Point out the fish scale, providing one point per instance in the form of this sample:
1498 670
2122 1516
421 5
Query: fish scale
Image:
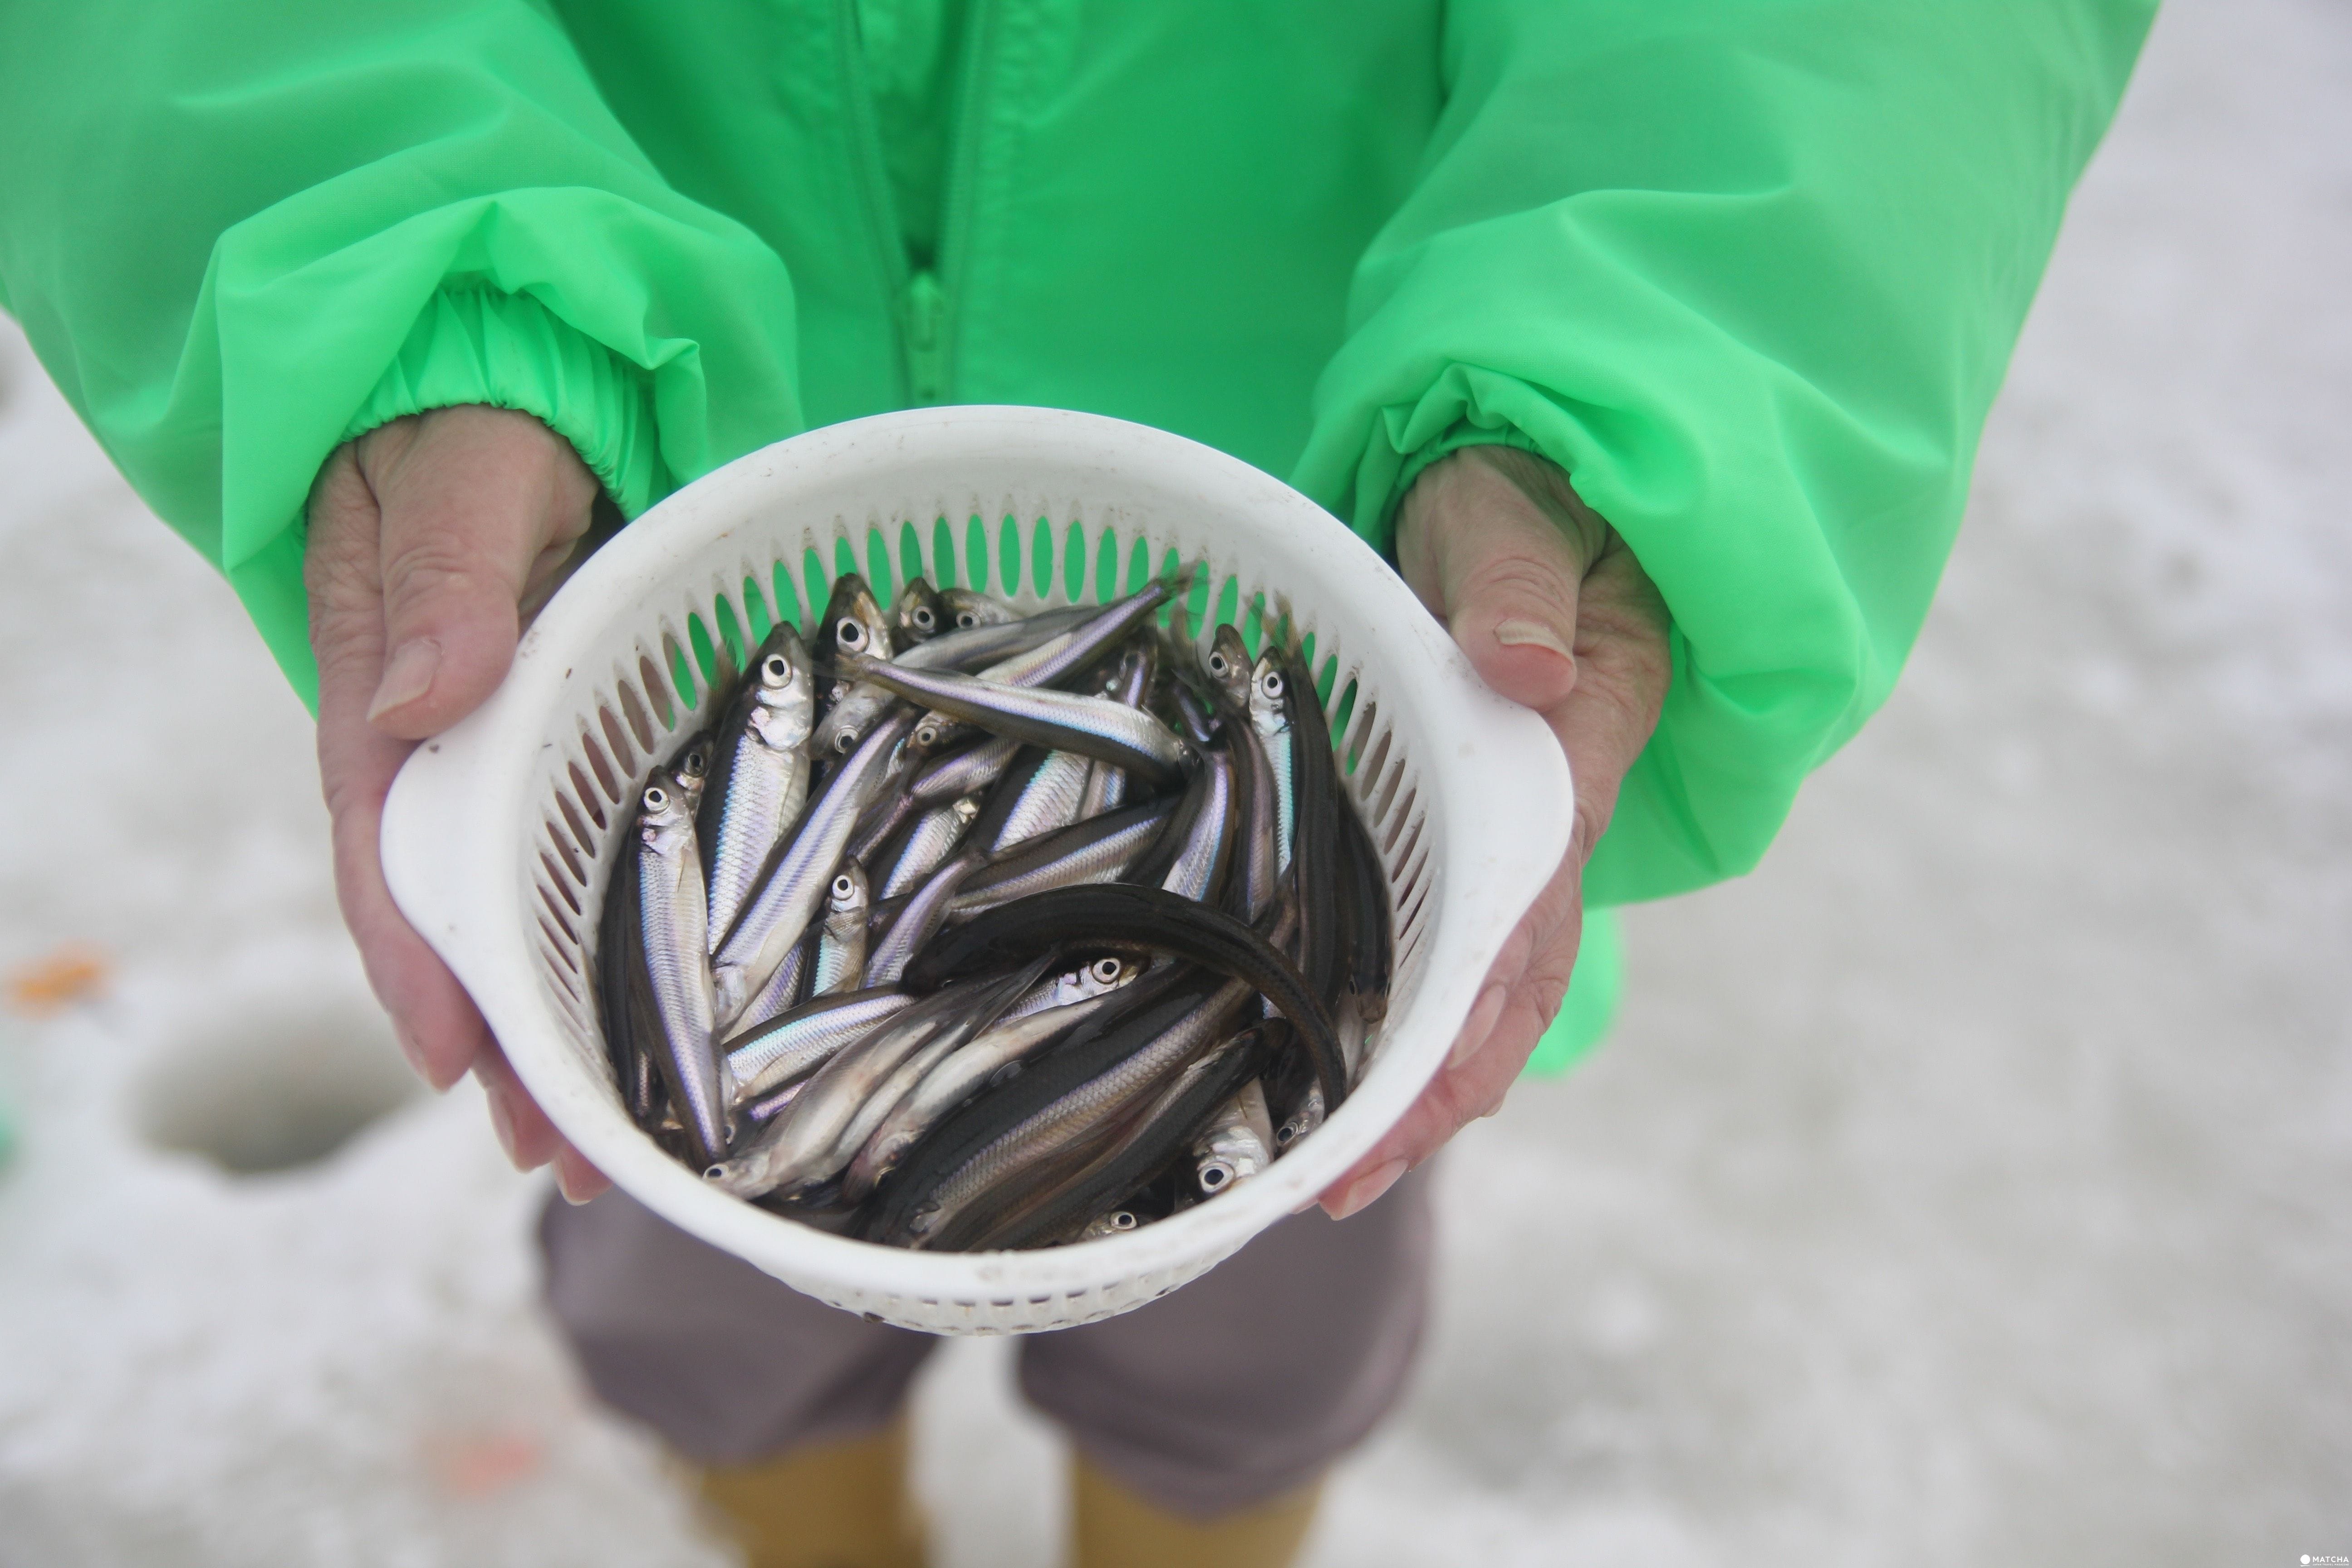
1049 800
804 1039
935 836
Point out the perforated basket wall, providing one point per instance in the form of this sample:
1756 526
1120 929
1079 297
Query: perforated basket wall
500 834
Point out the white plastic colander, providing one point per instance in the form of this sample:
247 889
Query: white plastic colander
500 834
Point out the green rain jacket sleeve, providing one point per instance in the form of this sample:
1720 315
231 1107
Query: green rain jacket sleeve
1750 270
236 233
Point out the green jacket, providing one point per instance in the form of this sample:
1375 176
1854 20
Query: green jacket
1748 270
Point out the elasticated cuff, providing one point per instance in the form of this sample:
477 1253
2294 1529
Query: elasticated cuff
478 346
1463 433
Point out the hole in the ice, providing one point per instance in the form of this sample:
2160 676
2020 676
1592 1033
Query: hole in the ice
275 1086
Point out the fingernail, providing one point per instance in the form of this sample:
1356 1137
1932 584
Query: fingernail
502 1123
1530 634
567 1178
406 677
1478 1026
1366 1188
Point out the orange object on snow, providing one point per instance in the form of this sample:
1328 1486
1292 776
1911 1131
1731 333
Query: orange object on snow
57 980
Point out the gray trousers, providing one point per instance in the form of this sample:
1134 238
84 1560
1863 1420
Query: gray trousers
1241 1385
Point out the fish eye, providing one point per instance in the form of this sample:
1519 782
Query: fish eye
842 886
1273 683
777 668
1122 1220
695 763
656 797
924 618
1106 969
1212 1177
1285 1134
967 619
849 634
1217 665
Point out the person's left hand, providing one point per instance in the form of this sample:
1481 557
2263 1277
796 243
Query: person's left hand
1554 612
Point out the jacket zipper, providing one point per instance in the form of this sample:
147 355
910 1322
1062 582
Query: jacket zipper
923 323
923 303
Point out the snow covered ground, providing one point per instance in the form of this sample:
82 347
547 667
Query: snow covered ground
1964 1187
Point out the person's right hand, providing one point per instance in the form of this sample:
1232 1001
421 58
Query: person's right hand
433 538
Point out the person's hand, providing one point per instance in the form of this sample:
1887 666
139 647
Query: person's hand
431 541
1554 612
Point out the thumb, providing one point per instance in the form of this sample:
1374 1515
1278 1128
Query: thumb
474 500
1488 545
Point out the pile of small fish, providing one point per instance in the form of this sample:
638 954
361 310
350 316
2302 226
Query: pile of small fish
965 929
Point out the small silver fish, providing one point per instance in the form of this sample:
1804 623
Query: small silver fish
917 921
780 911
692 770
971 608
1131 738
1269 712
1025 1027
1201 863
1086 1111
1229 667
672 910
1238 1144
1048 662
1130 683
1106 973
1300 1122
804 1147
795 1044
1050 800
787 988
932 840
841 952
918 619
765 777
1102 850
962 773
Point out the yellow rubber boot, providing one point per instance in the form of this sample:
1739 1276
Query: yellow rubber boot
1117 1528
829 1505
